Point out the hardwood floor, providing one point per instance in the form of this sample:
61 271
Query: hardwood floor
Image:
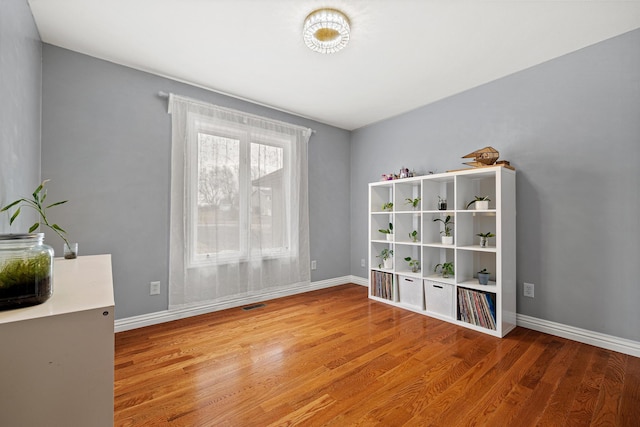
332 357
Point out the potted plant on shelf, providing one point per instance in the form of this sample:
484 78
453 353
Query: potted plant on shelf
387 206
387 231
447 238
481 203
413 202
483 276
446 268
484 238
442 204
414 236
414 264
385 256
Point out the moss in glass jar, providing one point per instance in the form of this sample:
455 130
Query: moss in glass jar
26 281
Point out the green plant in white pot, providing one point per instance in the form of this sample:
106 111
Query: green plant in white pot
386 257
387 207
484 238
480 202
447 237
387 231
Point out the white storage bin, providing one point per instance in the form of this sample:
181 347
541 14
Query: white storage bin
439 298
411 292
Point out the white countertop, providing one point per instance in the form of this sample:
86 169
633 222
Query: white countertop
79 284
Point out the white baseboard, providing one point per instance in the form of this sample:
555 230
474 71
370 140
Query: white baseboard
358 280
597 339
169 315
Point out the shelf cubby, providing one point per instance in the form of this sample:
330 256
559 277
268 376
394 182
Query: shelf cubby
383 285
468 263
402 251
379 196
432 256
479 184
477 308
435 188
404 191
380 221
376 249
406 223
470 223
433 228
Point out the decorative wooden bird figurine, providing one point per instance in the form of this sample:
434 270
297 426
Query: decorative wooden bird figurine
483 157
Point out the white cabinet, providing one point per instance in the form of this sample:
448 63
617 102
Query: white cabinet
56 363
417 239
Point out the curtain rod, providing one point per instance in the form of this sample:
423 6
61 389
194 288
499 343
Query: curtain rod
162 94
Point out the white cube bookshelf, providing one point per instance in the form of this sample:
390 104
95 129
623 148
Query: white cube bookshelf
460 298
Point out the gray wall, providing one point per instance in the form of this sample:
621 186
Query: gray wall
106 147
20 77
571 127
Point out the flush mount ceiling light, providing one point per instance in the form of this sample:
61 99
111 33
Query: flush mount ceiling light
326 30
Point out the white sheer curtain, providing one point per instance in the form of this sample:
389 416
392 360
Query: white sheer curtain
239 207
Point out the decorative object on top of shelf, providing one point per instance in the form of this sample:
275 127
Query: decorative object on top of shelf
447 238
413 202
414 264
484 238
442 204
37 203
404 173
483 276
480 202
387 231
385 256
414 236
326 30
446 268
483 157
387 206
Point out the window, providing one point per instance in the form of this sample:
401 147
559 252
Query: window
239 182
239 206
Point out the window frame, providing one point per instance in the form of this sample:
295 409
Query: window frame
246 136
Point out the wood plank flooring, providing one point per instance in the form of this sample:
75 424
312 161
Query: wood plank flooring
334 358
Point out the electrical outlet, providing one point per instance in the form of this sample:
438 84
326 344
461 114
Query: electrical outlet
154 288
314 265
529 290
362 263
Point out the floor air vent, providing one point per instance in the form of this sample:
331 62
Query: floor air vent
253 307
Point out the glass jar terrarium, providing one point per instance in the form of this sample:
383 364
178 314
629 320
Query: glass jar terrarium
26 269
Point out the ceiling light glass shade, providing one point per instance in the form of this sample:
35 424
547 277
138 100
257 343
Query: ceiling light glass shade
326 30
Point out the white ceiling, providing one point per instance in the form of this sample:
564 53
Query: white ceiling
403 54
